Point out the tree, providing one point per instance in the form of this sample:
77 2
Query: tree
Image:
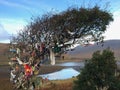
99 73
73 26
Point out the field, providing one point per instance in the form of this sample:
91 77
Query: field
58 85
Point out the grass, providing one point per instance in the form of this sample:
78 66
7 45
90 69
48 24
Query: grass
3 60
58 85
5 84
3 63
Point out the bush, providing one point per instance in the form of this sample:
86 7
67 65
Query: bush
99 73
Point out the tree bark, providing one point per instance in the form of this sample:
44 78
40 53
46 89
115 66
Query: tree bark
52 57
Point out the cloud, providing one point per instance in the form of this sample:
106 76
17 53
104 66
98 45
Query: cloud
16 5
43 7
10 27
41 4
117 13
113 31
30 6
13 25
4 35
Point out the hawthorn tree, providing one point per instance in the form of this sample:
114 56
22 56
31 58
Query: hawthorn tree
60 31
99 73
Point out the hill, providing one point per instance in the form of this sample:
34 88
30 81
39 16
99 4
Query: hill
3 47
81 52
3 53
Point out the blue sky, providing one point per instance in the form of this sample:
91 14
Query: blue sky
15 14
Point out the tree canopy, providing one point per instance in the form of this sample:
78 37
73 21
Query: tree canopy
73 26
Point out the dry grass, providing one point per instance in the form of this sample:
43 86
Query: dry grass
4 74
50 69
3 60
5 84
3 54
58 85
3 48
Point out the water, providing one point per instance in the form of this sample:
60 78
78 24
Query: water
62 74
65 73
68 72
81 64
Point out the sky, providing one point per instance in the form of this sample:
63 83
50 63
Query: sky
16 14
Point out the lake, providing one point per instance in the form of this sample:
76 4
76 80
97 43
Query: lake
62 74
65 73
68 72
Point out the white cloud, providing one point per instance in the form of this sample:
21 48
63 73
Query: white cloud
13 4
117 13
3 33
12 26
113 31
40 4
30 6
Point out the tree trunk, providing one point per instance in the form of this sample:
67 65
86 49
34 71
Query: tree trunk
52 57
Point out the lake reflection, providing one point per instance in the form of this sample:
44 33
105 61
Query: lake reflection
62 74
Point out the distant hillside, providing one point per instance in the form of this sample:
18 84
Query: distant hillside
81 52
3 55
3 47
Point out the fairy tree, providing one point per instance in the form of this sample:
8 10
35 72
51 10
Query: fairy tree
73 26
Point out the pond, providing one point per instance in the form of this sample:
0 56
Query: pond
65 73
71 70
